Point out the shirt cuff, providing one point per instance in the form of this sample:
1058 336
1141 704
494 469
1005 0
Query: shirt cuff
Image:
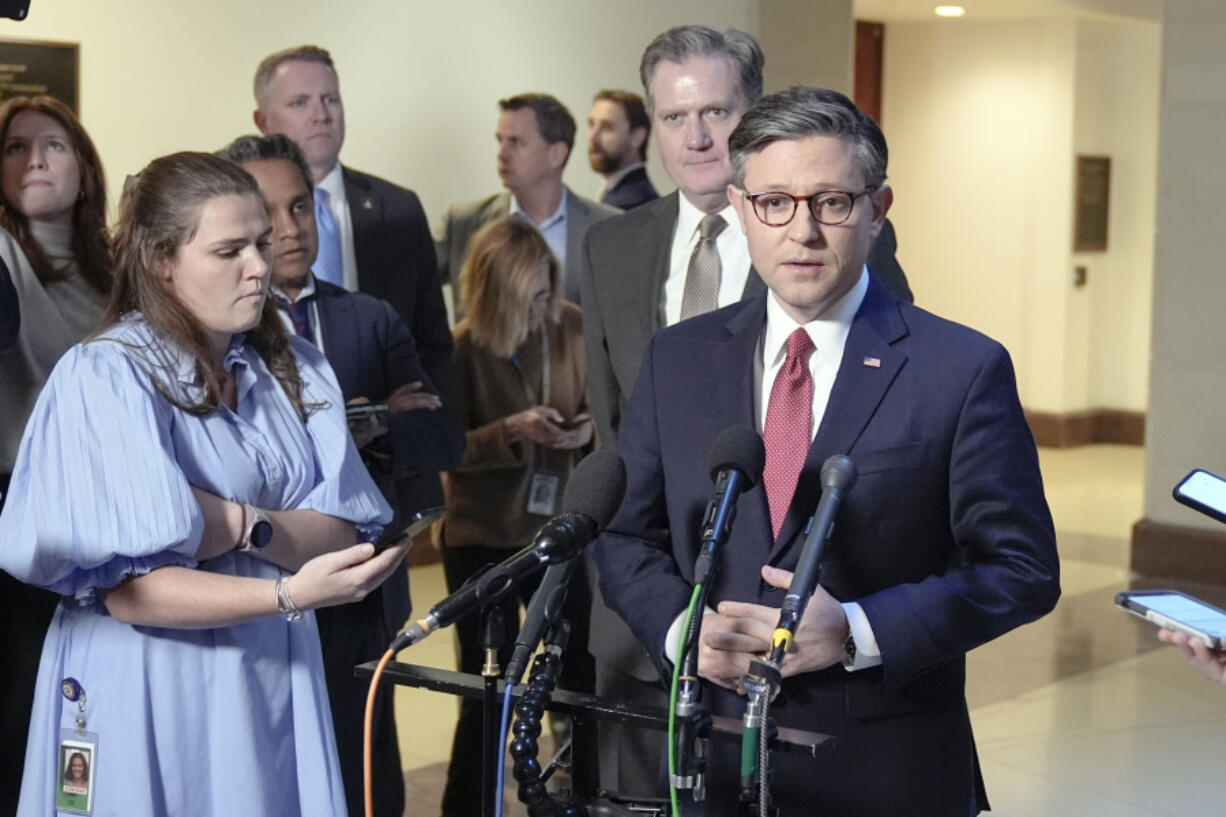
868 654
673 638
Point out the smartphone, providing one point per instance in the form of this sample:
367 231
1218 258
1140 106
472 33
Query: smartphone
1203 491
1177 611
400 529
364 409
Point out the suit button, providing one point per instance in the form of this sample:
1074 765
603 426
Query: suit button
766 587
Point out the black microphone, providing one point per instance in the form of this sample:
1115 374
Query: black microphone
594 490
838 477
737 458
592 497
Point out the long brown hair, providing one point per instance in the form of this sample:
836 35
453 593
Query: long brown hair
160 213
498 279
89 238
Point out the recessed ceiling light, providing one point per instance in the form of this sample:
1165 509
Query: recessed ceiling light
950 11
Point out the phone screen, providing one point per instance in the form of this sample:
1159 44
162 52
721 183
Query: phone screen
1205 489
1171 609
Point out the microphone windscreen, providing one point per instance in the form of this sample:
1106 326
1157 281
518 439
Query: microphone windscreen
838 472
596 487
738 447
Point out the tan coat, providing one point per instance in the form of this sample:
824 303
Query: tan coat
487 494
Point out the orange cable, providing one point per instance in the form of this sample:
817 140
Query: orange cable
367 752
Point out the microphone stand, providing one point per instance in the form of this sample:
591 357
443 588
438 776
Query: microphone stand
493 638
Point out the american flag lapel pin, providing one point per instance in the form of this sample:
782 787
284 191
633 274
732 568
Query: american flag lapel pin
872 362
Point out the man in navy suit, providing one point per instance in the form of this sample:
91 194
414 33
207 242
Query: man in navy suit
374 237
374 358
617 130
945 541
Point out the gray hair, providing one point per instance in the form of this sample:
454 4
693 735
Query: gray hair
269 65
800 112
680 43
253 148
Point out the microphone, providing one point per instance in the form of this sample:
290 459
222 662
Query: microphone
736 460
838 477
591 498
594 490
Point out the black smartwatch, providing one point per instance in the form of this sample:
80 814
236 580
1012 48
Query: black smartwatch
259 530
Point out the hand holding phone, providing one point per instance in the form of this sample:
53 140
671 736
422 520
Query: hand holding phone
1177 611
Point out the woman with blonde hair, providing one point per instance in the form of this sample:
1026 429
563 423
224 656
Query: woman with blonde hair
521 381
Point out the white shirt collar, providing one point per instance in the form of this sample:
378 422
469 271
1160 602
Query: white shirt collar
689 217
334 184
828 332
558 215
307 291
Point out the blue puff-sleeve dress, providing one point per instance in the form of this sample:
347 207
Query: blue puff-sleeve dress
222 721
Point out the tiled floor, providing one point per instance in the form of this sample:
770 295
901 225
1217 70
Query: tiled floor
1081 714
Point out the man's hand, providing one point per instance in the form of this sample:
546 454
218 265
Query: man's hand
741 631
543 425
1210 663
410 397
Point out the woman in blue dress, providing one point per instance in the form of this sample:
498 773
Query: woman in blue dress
188 485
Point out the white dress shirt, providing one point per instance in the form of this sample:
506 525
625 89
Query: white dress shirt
829 336
553 229
334 184
733 252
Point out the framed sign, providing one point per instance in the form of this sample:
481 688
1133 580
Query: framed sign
1090 205
31 68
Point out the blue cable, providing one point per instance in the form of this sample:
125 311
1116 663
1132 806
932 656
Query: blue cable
502 748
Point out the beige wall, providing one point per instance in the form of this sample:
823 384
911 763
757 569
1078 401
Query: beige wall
984 120
420 80
1187 418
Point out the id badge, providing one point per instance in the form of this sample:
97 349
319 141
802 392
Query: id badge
543 493
78 758
78 763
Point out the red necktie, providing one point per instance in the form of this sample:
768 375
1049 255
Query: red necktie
789 419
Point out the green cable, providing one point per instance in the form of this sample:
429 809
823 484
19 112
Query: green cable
672 704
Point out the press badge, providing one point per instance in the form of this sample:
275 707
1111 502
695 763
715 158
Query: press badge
543 493
78 758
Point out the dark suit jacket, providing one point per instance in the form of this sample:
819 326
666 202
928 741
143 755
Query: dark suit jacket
10 313
463 221
632 190
945 540
395 260
372 353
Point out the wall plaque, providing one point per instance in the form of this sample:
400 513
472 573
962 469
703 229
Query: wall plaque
1090 207
31 68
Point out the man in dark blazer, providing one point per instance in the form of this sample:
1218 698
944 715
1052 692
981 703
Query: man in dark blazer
535 137
379 235
618 128
374 358
698 83
943 543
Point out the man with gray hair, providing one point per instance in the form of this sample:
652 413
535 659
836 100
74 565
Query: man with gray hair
373 235
943 543
670 259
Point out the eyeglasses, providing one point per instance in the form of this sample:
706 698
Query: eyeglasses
830 207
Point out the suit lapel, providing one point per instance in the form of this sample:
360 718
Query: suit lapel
657 245
868 369
365 215
339 333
